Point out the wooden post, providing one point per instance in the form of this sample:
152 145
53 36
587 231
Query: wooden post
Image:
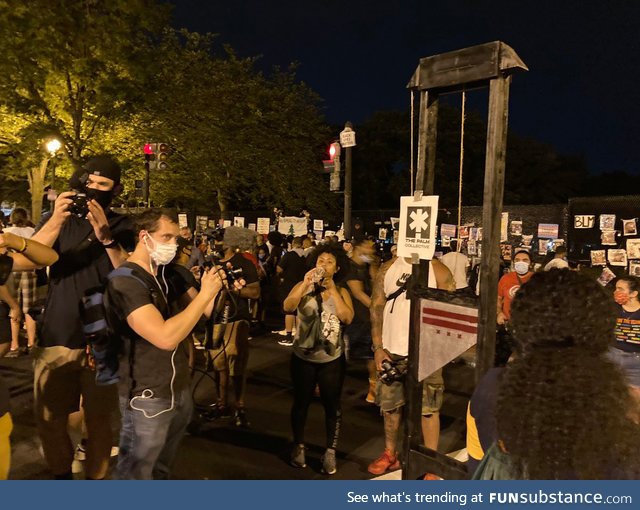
427 135
491 218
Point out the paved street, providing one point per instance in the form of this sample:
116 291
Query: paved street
219 450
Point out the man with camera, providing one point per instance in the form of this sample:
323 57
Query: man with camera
153 310
390 310
90 240
230 359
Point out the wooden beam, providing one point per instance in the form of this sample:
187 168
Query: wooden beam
491 216
427 137
473 65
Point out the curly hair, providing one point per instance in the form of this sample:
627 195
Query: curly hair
342 261
563 408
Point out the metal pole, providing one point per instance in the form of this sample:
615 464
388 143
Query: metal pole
147 199
347 189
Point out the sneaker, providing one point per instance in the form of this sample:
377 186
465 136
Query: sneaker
287 341
384 463
329 462
282 332
13 353
297 456
81 452
216 411
240 419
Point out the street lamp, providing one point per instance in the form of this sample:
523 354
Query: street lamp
53 146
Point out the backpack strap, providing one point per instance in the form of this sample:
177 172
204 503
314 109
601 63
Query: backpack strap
397 293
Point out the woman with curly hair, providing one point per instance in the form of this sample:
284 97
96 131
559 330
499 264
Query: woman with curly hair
564 410
318 357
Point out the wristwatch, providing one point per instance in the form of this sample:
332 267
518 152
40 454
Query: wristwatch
374 348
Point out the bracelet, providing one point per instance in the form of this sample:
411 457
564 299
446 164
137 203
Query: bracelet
111 244
374 348
24 246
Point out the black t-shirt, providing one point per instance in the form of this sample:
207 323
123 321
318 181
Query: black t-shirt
359 273
250 275
4 397
294 267
83 265
143 365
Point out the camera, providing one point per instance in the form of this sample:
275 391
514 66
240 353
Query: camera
233 274
392 371
79 207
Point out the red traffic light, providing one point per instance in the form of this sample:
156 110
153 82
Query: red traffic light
334 150
148 148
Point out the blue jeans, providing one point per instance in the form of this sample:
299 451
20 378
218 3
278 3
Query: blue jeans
148 445
629 363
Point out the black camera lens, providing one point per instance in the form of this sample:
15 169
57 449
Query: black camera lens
79 207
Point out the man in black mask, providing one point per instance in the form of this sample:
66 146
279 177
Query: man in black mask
91 240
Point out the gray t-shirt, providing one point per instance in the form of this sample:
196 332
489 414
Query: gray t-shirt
319 335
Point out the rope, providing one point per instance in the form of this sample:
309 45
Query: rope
462 120
411 155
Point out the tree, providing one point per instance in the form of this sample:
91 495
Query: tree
71 67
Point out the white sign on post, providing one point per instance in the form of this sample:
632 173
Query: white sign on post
182 220
318 225
348 138
263 226
417 233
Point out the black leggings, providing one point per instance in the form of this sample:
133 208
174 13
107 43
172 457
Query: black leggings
330 378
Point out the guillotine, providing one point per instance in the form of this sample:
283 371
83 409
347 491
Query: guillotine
486 65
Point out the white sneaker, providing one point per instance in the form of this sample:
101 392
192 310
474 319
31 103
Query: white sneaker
287 342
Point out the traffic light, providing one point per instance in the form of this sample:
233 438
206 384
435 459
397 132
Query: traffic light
162 154
334 155
150 150
156 154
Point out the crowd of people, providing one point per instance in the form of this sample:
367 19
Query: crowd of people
568 354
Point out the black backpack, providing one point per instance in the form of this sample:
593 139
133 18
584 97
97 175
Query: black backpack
105 344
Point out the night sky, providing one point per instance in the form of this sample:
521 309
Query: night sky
581 93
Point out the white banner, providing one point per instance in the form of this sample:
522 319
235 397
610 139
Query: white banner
418 226
292 225
446 331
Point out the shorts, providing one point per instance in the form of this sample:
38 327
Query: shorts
61 377
391 397
6 426
24 290
233 354
628 362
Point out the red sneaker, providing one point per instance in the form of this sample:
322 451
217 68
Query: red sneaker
384 463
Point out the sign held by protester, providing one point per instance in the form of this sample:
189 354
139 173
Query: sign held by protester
418 217
263 226
292 225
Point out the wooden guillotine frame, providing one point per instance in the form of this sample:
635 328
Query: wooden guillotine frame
487 65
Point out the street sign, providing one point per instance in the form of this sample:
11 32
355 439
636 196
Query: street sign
348 137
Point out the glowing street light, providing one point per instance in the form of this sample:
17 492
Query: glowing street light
53 146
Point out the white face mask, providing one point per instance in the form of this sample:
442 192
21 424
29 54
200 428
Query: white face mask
366 258
163 253
521 267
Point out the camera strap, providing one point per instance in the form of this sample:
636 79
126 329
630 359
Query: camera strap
398 292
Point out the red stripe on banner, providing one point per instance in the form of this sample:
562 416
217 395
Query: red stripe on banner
451 315
450 325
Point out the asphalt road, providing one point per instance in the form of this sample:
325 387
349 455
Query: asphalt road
217 449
